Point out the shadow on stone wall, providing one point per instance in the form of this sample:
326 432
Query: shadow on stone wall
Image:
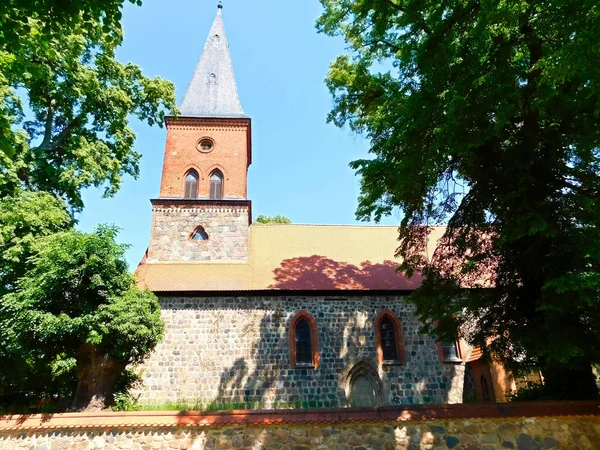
248 385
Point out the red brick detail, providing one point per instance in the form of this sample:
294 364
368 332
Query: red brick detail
398 334
178 419
314 339
231 155
481 369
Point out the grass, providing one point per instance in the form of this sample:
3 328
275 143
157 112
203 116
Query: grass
183 405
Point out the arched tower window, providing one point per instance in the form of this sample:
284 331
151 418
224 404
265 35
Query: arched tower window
199 234
304 345
389 338
191 184
216 185
212 79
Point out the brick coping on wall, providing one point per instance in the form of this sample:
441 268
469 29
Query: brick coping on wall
174 419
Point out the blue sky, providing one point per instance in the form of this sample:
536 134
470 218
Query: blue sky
299 162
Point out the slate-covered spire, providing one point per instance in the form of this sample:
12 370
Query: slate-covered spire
212 91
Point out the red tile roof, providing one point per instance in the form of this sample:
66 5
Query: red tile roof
295 257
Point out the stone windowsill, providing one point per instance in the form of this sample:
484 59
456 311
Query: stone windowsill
392 362
304 366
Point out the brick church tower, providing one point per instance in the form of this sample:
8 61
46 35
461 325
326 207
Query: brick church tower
202 213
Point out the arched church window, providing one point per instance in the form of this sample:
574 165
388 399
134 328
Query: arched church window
485 389
216 185
191 184
389 338
304 346
212 79
199 235
450 352
216 39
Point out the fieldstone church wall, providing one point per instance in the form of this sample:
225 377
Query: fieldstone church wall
172 226
235 350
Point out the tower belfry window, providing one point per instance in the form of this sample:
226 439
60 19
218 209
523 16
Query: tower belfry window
216 39
191 185
199 235
216 185
212 79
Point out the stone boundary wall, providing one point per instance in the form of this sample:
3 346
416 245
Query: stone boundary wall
522 426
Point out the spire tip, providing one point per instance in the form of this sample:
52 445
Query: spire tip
220 5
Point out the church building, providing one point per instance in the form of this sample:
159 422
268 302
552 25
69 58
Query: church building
277 315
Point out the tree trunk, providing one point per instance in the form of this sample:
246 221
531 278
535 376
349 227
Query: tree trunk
96 380
572 381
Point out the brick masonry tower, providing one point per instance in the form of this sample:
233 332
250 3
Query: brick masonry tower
202 213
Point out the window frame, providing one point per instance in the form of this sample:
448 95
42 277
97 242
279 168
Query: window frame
199 228
485 389
459 352
398 336
210 185
314 341
195 174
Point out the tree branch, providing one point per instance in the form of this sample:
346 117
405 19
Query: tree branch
51 144
48 128
65 133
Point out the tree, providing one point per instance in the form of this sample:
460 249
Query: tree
79 312
485 116
61 57
274 219
25 219
58 56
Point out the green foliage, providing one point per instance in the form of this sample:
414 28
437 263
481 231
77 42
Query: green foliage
274 219
62 60
529 393
67 303
484 116
24 219
76 305
197 405
124 399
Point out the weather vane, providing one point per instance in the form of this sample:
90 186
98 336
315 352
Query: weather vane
220 5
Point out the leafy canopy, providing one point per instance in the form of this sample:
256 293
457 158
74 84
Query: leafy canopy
60 56
274 219
25 219
78 303
484 115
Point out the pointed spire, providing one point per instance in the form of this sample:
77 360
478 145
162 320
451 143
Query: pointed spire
212 92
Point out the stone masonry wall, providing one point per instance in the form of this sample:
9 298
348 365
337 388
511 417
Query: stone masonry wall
232 350
475 434
172 227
